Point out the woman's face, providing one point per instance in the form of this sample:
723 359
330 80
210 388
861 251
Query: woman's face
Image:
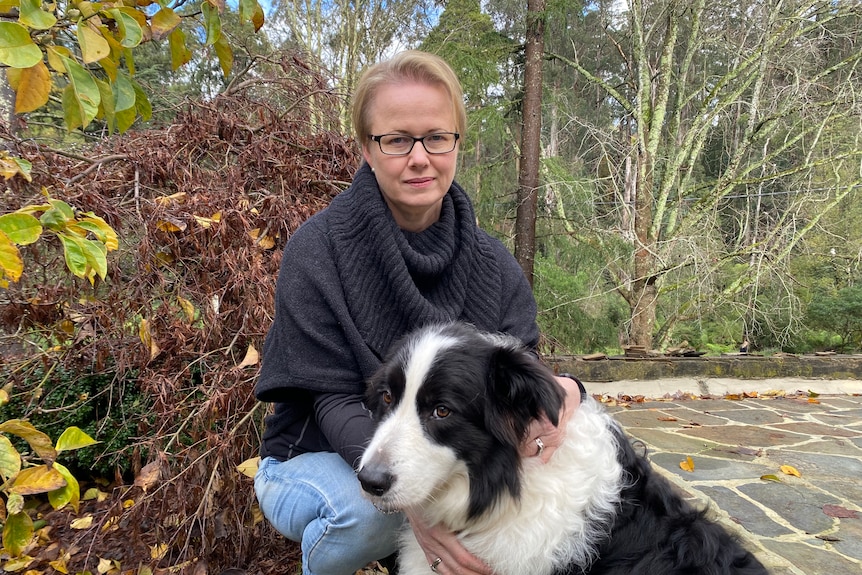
413 185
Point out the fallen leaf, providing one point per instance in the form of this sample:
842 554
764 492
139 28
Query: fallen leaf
148 476
168 224
83 523
105 565
813 400
687 464
251 357
749 394
178 197
829 538
839 512
770 477
813 393
732 396
789 470
249 467
94 493
158 551
667 419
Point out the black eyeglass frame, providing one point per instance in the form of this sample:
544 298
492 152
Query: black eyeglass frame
422 139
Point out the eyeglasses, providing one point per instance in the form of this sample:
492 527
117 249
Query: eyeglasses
402 144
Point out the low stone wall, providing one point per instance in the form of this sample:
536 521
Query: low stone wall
839 367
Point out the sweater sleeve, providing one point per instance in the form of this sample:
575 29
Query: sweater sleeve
312 343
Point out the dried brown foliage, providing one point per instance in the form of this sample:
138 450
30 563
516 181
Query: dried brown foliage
203 208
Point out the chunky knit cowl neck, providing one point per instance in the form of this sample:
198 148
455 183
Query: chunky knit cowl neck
395 281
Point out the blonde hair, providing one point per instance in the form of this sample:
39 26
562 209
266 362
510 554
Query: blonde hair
411 66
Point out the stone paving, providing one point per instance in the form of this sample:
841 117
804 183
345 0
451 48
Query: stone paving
805 525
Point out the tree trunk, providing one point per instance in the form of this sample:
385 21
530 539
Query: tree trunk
528 173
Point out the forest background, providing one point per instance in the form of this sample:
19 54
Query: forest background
696 179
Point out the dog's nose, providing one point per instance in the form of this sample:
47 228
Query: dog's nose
375 479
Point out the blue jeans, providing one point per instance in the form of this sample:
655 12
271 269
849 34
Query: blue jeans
315 499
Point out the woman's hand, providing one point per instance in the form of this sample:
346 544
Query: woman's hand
444 550
543 438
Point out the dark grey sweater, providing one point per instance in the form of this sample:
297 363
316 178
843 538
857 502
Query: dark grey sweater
351 283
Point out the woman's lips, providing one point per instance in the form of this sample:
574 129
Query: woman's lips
419 181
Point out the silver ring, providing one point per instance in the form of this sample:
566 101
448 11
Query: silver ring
540 445
436 564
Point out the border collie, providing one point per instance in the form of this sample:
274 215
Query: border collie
453 406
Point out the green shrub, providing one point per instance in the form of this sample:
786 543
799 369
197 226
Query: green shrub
840 314
105 405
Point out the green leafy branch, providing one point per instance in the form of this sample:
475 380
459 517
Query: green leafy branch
36 48
85 257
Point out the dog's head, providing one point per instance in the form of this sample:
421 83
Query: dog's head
453 406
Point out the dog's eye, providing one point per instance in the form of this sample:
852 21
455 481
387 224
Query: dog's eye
441 412
387 397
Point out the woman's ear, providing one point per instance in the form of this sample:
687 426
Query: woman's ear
366 155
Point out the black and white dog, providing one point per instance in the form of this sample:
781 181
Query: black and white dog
453 406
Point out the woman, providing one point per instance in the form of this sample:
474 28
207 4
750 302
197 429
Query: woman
399 249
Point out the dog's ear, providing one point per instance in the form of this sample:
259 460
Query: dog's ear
520 389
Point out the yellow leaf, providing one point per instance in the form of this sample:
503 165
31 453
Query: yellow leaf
770 477
61 563
105 565
180 54
264 241
38 479
205 222
789 470
256 514
178 197
11 264
110 524
32 87
128 503
147 338
249 467
82 523
251 357
163 22
39 442
17 564
73 438
93 45
171 225
687 464
94 493
54 54
187 307
158 551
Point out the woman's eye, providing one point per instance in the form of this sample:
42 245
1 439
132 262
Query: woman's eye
441 412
